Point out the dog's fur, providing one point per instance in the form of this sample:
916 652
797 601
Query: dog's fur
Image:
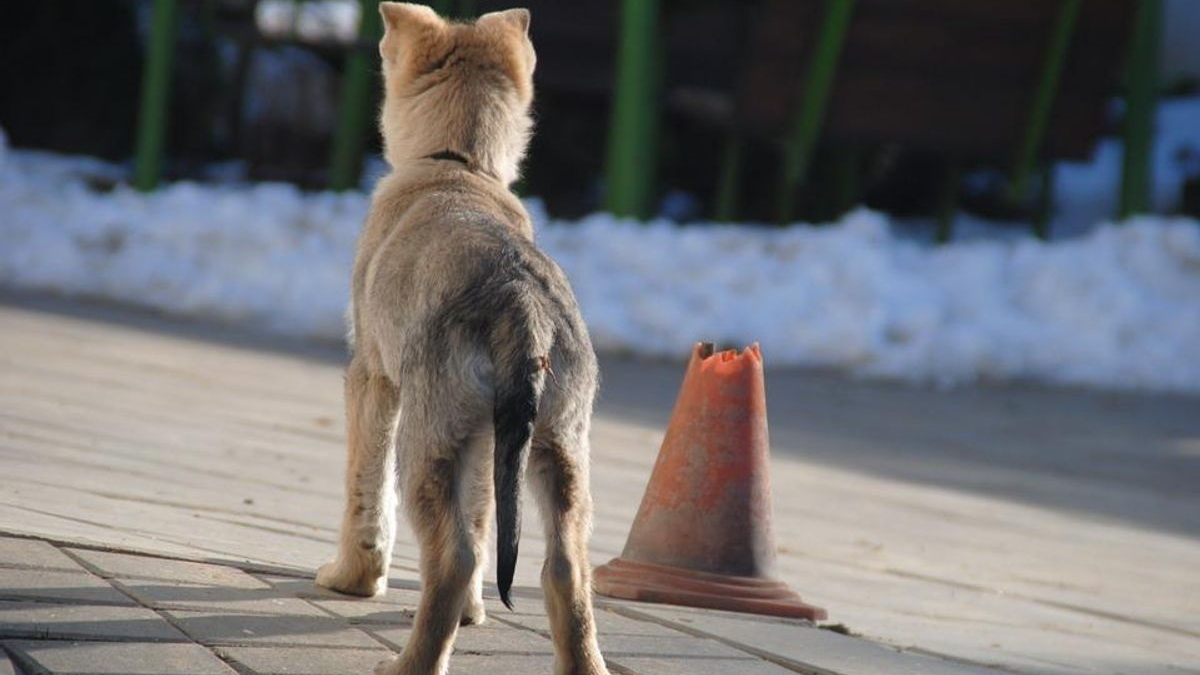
470 357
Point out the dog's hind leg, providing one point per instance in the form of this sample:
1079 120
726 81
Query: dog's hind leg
558 475
369 524
431 480
477 502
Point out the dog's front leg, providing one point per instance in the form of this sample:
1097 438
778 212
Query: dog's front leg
369 524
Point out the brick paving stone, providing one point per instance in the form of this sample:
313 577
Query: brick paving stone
39 620
809 647
304 587
366 612
115 658
399 591
607 622
303 661
32 553
467 664
397 606
701 665
493 638
175 595
219 628
30 584
490 638
148 567
666 647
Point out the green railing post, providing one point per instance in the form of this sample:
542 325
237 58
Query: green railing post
632 135
731 173
156 92
818 83
350 135
845 163
1026 158
948 200
1140 102
1045 203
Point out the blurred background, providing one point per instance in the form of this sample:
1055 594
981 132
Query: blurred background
767 111
933 190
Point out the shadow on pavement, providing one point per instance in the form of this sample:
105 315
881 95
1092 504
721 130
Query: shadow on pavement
1124 456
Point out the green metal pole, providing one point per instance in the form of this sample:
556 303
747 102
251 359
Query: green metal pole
632 148
846 162
1140 102
350 135
948 200
1043 98
1045 203
798 148
156 92
731 172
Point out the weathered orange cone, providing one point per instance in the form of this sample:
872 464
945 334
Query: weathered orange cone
703 534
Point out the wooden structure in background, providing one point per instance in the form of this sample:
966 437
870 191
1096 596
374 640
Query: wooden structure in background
1014 82
952 76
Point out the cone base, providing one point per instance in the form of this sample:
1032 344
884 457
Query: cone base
647 582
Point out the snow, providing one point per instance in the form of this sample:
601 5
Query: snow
314 20
1118 307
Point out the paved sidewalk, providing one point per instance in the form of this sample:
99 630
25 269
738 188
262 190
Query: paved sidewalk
172 487
82 611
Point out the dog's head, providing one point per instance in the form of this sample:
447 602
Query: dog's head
465 87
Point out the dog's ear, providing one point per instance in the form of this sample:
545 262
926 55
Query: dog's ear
408 28
517 19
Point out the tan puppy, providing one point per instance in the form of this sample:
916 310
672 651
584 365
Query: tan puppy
470 356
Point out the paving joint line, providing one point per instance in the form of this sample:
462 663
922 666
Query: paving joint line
1097 613
795 666
331 539
205 511
164 614
96 639
228 659
23 665
283 487
60 601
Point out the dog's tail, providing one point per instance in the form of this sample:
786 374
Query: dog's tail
520 358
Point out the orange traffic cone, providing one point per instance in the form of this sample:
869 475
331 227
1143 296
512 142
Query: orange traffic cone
703 535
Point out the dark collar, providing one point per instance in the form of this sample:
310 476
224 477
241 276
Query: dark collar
452 156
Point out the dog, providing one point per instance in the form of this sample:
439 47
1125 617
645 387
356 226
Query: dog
471 366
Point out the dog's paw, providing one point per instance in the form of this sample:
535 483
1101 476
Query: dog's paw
336 577
473 614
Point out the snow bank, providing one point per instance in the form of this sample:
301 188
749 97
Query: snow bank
1119 307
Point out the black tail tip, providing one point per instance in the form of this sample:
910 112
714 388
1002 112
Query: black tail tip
505 597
